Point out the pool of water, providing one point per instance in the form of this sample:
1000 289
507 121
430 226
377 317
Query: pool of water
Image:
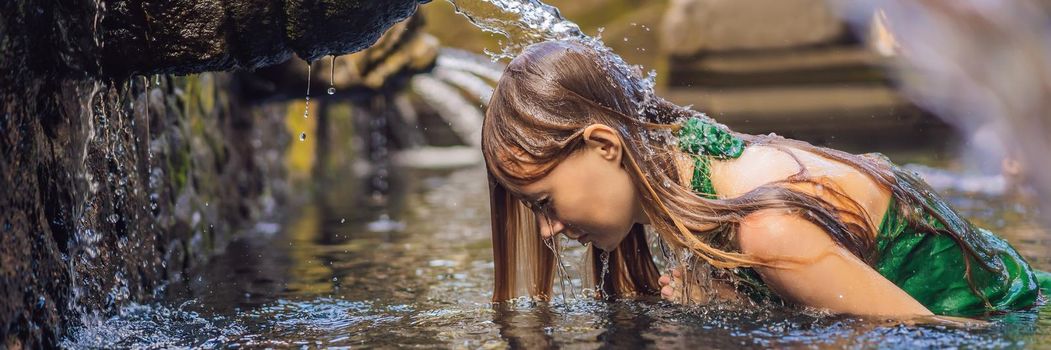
325 279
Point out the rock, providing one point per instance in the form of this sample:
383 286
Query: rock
694 26
116 39
400 53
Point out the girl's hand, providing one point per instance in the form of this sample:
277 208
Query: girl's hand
671 288
669 285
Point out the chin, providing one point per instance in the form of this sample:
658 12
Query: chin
605 246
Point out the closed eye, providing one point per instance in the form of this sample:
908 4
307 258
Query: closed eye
540 205
546 205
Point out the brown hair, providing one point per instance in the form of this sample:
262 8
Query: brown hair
542 103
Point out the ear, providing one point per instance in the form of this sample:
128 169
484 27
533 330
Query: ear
604 140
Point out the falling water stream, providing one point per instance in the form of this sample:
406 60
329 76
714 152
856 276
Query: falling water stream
425 279
306 101
332 77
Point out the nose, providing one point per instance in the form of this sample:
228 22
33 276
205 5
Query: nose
550 227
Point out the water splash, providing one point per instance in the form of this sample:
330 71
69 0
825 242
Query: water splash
555 245
602 276
525 22
521 22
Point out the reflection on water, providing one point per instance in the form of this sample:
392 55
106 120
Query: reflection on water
326 280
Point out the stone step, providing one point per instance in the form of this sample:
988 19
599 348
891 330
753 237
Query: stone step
781 109
819 65
691 27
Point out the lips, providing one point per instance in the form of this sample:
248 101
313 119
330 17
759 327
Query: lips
578 235
582 237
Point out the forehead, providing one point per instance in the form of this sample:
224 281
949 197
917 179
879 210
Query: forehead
515 172
563 175
528 177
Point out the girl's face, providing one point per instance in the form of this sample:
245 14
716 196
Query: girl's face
589 196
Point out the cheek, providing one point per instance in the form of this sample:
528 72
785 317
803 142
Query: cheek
622 201
610 203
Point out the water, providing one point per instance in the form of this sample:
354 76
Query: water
327 280
306 108
520 22
332 77
380 176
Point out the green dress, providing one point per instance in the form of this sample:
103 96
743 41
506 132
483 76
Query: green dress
931 267
926 262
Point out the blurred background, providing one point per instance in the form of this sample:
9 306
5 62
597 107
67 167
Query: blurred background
791 67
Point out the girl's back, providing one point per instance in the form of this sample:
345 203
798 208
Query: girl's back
761 165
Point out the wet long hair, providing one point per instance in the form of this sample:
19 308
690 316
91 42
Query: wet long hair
535 119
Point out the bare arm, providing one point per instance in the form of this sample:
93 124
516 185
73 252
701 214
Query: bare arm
830 278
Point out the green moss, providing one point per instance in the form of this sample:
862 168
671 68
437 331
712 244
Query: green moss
179 168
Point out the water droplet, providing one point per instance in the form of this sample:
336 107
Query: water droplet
306 108
302 136
332 77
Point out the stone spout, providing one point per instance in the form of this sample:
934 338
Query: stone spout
120 38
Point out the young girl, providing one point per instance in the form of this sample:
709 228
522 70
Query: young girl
574 145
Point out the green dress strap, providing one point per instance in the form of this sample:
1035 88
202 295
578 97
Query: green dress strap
930 267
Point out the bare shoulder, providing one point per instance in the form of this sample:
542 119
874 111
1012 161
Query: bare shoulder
757 166
776 233
762 165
